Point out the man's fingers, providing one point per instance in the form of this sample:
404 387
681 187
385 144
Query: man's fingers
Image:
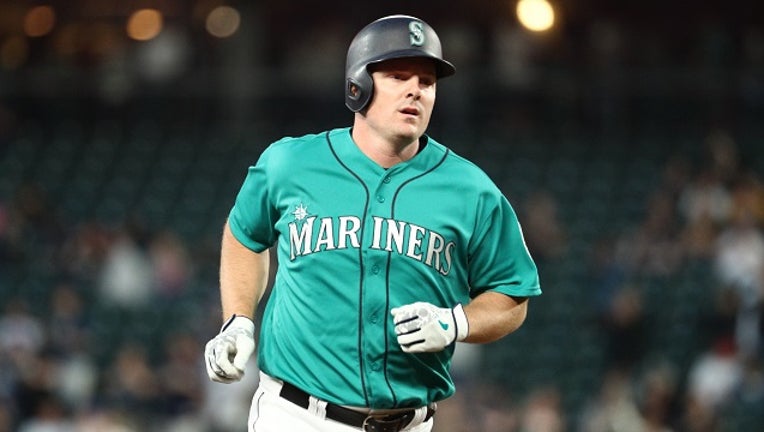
408 327
223 353
409 339
406 311
213 369
245 348
404 319
414 348
215 373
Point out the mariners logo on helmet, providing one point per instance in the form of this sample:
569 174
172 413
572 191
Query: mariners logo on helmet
391 37
417 33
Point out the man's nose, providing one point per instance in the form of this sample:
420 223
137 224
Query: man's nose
415 89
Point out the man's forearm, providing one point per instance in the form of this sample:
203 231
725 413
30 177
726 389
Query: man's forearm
492 316
243 276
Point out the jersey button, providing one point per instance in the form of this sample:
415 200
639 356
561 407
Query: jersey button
373 318
380 198
386 179
375 269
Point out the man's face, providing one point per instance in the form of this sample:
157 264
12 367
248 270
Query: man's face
403 99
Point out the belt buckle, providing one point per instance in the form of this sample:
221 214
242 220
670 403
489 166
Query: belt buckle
374 424
366 424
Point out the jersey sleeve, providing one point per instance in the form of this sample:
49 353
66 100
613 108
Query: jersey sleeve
253 215
499 259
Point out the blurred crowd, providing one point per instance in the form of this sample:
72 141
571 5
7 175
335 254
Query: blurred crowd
103 344
103 325
706 212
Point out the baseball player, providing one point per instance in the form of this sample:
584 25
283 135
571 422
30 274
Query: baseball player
391 248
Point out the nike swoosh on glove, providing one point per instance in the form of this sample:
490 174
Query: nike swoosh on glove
424 327
226 355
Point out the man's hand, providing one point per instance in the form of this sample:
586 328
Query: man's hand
424 327
227 353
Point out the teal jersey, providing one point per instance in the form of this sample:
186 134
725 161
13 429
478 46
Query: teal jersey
355 240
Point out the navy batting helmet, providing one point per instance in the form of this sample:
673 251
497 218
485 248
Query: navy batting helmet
391 37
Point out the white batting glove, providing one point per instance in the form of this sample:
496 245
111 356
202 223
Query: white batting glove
227 353
424 327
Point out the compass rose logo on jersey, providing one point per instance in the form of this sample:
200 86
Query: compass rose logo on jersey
300 212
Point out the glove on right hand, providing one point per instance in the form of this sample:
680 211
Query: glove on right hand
227 353
424 327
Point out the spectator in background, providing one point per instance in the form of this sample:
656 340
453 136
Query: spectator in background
630 402
49 416
36 397
720 320
126 278
747 193
180 377
722 155
739 264
697 234
657 395
652 248
171 264
83 253
706 196
69 339
543 411
22 335
131 385
36 227
698 238
625 326
713 378
544 233
615 408
496 410
67 324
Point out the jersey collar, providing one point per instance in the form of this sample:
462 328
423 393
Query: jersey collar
348 152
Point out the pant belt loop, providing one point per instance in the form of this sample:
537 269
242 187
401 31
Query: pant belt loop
317 407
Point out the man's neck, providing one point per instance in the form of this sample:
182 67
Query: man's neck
385 152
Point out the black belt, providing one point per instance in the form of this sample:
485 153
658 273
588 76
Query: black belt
370 423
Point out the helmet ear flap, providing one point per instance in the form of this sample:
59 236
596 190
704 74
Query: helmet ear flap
353 91
358 92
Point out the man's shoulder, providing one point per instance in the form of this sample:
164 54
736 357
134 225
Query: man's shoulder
464 166
292 144
297 140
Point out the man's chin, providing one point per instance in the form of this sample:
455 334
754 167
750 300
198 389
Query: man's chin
410 132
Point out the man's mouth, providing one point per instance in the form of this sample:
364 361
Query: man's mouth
410 111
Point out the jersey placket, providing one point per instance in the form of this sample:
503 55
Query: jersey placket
375 299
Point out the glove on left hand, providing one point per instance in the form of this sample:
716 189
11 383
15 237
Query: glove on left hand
424 327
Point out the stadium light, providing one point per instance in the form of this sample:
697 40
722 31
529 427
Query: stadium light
535 15
223 21
39 21
144 24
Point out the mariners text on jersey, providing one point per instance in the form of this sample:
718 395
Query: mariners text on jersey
311 234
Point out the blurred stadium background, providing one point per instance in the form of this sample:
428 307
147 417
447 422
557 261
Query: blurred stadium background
629 136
